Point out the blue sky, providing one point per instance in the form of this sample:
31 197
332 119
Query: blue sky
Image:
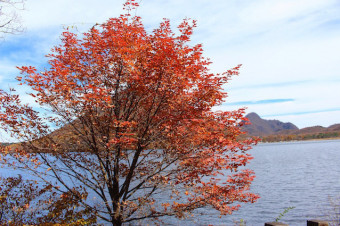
290 49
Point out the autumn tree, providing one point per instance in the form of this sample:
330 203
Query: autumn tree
9 20
135 130
24 202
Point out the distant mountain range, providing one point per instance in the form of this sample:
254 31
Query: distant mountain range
277 131
262 127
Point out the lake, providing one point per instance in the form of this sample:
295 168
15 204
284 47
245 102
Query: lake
294 174
300 174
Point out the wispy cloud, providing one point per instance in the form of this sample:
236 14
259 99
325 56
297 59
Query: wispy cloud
268 101
303 112
270 85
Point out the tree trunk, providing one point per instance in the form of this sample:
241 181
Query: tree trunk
117 222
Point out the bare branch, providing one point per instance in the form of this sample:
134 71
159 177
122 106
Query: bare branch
10 21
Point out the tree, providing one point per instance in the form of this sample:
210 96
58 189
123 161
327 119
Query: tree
25 202
135 119
9 19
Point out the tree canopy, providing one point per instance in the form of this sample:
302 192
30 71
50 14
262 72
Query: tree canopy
136 134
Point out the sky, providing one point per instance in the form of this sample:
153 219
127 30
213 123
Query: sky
289 49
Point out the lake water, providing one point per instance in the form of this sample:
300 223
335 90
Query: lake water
296 174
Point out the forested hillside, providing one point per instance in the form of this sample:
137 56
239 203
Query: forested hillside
275 130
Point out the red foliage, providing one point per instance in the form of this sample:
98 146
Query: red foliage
137 116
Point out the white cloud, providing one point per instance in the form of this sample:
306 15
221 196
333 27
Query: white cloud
42 14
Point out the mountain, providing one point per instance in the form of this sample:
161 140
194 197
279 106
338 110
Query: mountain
318 129
263 127
275 130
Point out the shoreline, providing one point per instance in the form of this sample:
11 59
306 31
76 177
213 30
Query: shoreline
288 141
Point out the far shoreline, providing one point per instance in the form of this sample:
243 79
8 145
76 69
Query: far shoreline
289 141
